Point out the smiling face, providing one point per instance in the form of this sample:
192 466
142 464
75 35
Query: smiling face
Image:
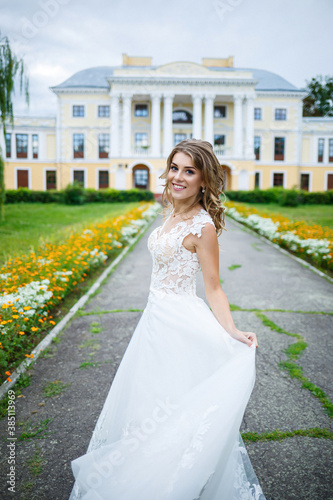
184 179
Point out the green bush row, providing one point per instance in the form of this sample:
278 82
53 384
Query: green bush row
284 197
76 195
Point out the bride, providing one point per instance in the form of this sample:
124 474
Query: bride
169 428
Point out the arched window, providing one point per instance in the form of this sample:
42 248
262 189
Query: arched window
141 177
181 116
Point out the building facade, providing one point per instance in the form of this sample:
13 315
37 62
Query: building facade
115 127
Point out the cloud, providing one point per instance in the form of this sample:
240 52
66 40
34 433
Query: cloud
291 38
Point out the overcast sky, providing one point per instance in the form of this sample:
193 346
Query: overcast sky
57 38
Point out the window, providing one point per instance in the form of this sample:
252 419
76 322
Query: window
104 111
321 150
22 178
78 111
257 113
257 180
21 145
51 179
8 145
177 138
257 144
280 114
78 145
329 181
181 116
279 148
305 182
278 180
219 140
141 177
78 176
141 110
103 145
330 150
34 145
103 179
141 139
220 111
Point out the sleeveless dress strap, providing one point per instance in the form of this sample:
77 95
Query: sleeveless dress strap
198 223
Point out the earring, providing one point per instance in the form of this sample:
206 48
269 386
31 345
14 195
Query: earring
203 189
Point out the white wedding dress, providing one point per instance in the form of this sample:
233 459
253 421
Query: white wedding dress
169 428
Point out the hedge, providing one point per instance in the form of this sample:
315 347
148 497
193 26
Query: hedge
75 195
284 197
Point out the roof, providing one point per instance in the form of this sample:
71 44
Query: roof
97 78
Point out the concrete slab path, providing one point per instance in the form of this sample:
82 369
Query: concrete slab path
69 383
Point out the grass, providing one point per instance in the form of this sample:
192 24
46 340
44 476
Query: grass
30 225
35 463
54 388
23 381
35 430
90 343
293 351
88 364
234 266
96 328
315 214
277 435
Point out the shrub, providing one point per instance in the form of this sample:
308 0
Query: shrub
286 197
25 195
76 195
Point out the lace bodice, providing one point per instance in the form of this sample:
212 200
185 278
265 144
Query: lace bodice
175 267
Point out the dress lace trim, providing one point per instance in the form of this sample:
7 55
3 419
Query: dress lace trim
175 267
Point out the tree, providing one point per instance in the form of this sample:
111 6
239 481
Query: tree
319 102
11 67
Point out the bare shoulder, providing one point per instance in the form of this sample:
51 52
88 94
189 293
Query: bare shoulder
205 238
208 235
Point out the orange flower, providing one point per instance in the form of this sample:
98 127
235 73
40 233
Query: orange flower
21 333
8 373
34 329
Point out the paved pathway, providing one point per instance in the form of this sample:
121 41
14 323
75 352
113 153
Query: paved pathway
90 349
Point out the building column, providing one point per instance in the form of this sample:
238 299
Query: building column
167 125
209 118
197 116
156 125
250 127
127 115
114 127
238 126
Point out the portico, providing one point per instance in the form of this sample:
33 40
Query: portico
161 127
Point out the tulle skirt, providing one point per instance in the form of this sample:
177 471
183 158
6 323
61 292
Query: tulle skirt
169 428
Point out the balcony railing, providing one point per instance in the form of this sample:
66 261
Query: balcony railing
141 150
222 151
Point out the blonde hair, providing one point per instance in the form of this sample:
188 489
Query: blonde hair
204 159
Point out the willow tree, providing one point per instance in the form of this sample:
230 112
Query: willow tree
12 69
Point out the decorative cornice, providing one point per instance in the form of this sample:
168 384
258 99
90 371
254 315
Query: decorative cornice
282 93
197 80
79 90
317 119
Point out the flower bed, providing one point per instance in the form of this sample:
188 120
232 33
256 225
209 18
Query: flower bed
310 242
31 285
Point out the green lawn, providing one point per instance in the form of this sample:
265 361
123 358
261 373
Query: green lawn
29 225
316 214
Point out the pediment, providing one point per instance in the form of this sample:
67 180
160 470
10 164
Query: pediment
182 68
